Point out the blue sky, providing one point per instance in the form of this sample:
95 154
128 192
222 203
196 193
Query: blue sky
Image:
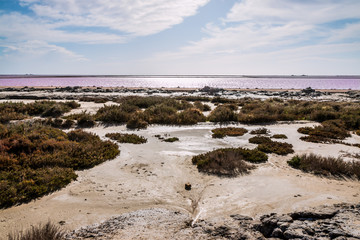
320 37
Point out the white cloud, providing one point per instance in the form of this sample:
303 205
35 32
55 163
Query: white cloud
91 21
278 37
39 48
314 11
136 17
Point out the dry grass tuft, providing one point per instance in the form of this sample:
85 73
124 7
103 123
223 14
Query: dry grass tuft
48 231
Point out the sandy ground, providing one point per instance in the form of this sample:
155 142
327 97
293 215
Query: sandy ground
153 175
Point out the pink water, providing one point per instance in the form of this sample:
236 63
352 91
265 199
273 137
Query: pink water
186 82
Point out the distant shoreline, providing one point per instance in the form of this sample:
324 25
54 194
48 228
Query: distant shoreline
6 76
182 89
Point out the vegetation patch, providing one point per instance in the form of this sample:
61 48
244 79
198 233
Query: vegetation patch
84 119
228 131
202 107
172 139
228 161
260 140
19 110
260 131
279 136
36 160
326 166
328 132
265 144
126 138
222 113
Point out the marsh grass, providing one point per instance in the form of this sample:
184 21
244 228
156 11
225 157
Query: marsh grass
228 131
228 161
326 166
126 138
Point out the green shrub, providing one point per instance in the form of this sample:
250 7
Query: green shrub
228 161
37 159
269 146
260 140
228 131
221 114
48 231
328 132
190 116
202 107
136 122
260 131
172 139
115 113
279 136
18 111
95 99
326 166
126 138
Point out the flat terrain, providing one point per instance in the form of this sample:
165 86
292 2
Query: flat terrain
153 175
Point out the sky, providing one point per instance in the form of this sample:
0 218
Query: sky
244 37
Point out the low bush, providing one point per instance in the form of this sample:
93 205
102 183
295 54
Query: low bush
190 116
126 138
57 123
269 146
222 113
278 148
36 159
193 98
228 161
48 231
94 99
84 119
18 111
202 107
172 139
327 132
326 166
260 131
116 113
279 136
137 122
259 140
228 131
